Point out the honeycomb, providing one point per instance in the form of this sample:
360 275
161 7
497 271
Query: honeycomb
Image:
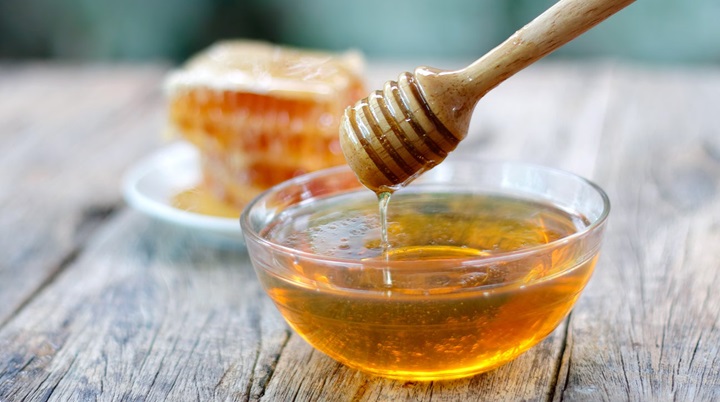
261 114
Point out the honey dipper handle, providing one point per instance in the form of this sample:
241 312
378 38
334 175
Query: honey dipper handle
561 23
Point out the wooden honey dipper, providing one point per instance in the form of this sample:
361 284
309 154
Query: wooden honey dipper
393 135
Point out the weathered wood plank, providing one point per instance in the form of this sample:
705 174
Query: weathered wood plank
146 313
66 134
551 115
648 327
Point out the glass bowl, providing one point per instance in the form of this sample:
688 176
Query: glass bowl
485 260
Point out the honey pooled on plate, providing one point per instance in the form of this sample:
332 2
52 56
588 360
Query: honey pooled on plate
260 113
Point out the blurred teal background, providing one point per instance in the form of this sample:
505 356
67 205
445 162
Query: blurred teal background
655 31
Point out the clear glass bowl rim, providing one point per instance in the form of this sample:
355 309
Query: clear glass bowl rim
252 235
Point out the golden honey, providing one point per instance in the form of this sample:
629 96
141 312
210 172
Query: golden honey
469 281
260 114
199 201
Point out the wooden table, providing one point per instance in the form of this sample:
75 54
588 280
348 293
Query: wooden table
98 301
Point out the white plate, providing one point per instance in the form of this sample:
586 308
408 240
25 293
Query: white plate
150 185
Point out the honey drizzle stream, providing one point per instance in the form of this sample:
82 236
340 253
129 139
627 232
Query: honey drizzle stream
383 201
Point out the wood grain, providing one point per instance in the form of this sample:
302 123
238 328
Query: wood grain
101 302
66 134
648 325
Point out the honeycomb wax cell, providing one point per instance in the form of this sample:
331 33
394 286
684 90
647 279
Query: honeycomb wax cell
260 113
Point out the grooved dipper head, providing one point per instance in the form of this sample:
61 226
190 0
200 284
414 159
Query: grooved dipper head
392 136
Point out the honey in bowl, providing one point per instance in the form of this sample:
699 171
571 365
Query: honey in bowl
477 271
